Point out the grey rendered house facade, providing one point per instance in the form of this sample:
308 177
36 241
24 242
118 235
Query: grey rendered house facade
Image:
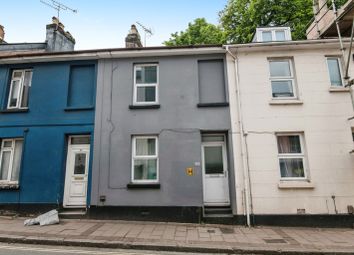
162 145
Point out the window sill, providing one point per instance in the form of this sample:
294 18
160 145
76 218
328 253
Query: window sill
213 104
285 102
143 185
9 186
69 109
296 185
14 110
145 106
338 89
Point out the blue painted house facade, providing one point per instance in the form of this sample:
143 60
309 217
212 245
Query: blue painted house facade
47 112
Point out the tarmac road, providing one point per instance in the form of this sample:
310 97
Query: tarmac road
20 249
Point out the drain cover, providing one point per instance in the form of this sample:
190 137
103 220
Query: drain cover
227 230
274 240
211 231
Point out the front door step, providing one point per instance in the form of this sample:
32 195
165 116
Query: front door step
74 213
217 212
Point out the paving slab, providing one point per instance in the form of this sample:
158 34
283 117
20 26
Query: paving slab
165 236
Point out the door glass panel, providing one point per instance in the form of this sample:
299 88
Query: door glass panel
213 160
212 138
80 163
80 140
5 163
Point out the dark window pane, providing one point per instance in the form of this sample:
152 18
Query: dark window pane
145 169
280 68
14 93
17 161
146 94
289 144
334 72
145 146
214 163
282 89
80 140
280 35
26 88
80 163
267 36
146 74
81 86
291 167
5 164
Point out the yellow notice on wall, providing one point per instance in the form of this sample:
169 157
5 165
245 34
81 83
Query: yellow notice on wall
189 171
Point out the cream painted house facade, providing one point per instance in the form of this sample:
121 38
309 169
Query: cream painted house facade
291 134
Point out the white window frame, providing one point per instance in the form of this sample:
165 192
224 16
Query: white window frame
339 59
12 154
138 157
283 78
19 95
137 85
260 31
301 155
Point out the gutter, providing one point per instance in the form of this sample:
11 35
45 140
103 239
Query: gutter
243 134
110 53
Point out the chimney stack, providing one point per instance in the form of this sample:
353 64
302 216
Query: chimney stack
133 38
57 38
2 34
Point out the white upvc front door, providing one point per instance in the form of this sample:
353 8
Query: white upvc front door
215 171
76 176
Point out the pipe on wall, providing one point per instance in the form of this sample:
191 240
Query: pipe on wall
243 134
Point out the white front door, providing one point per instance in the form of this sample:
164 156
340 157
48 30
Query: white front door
215 171
77 165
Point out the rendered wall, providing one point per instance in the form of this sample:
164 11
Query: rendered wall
178 123
45 128
323 117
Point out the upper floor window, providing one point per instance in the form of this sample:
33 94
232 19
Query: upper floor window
334 69
211 79
10 160
19 89
145 159
270 34
282 78
291 156
146 83
81 89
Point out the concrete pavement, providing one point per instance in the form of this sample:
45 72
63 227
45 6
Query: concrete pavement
181 237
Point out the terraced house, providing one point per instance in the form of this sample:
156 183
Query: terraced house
46 127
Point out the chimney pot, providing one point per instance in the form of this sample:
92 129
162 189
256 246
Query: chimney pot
133 38
2 33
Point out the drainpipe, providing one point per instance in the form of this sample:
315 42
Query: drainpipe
243 135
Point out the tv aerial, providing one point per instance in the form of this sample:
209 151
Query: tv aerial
57 6
147 31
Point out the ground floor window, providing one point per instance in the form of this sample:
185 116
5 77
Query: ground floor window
291 156
145 159
10 160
